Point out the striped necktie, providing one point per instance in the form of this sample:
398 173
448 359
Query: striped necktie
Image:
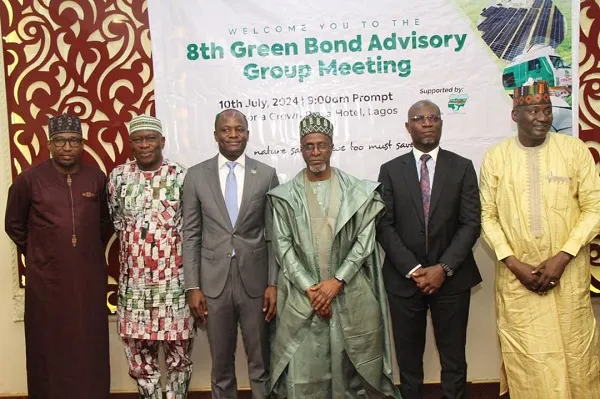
425 186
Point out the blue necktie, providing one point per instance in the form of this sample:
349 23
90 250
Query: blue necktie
231 193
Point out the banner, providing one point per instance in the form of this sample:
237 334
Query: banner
360 64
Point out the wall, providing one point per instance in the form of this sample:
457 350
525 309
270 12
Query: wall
482 348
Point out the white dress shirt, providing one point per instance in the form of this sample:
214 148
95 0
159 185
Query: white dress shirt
239 171
430 163
431 169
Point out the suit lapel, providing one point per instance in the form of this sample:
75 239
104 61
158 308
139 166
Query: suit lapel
250 179
442 167
411 178
214 182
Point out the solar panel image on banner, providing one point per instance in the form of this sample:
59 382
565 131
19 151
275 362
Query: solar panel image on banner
519 41
509 31
498 46
557 35
541 28
493 26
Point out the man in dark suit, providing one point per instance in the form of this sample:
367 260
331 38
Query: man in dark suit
230 275
428 232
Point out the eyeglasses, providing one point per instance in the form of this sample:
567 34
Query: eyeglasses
429 118
73 142
311 147
147 139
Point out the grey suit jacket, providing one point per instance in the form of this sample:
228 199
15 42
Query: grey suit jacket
209 237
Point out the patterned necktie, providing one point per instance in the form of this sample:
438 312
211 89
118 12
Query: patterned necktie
425 186
231 193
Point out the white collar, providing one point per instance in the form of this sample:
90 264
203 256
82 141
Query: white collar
221 160
433 153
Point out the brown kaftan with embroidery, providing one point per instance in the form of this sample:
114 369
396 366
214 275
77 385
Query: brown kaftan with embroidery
60 228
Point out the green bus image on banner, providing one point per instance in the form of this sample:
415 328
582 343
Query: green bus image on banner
532 39
538 64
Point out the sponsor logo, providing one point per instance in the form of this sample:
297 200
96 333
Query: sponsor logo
457 101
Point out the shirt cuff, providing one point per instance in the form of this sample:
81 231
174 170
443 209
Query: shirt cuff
304 283
571 247
503 251
414 269
346 271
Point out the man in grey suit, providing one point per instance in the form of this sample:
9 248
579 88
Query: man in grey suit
230 275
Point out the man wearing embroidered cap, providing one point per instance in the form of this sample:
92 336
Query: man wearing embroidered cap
145 204
540 197
332 327
58 217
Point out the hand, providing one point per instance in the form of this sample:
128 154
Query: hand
326 313
325 291
551 270
523 271
418 277
323 314
197 304
270 302
429 279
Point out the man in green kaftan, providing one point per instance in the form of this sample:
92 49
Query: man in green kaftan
331 337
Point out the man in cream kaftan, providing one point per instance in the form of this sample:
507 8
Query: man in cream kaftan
540 197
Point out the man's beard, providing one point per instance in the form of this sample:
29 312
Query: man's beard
319 169
66 164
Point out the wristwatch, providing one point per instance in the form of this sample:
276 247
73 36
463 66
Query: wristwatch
338 278
449 272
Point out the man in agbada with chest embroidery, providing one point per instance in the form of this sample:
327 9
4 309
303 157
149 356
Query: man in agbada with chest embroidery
540 201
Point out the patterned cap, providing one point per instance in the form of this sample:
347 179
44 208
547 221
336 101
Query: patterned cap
315 123
144 122
64 123
536 93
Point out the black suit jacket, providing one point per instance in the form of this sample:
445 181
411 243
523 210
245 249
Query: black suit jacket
454 222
